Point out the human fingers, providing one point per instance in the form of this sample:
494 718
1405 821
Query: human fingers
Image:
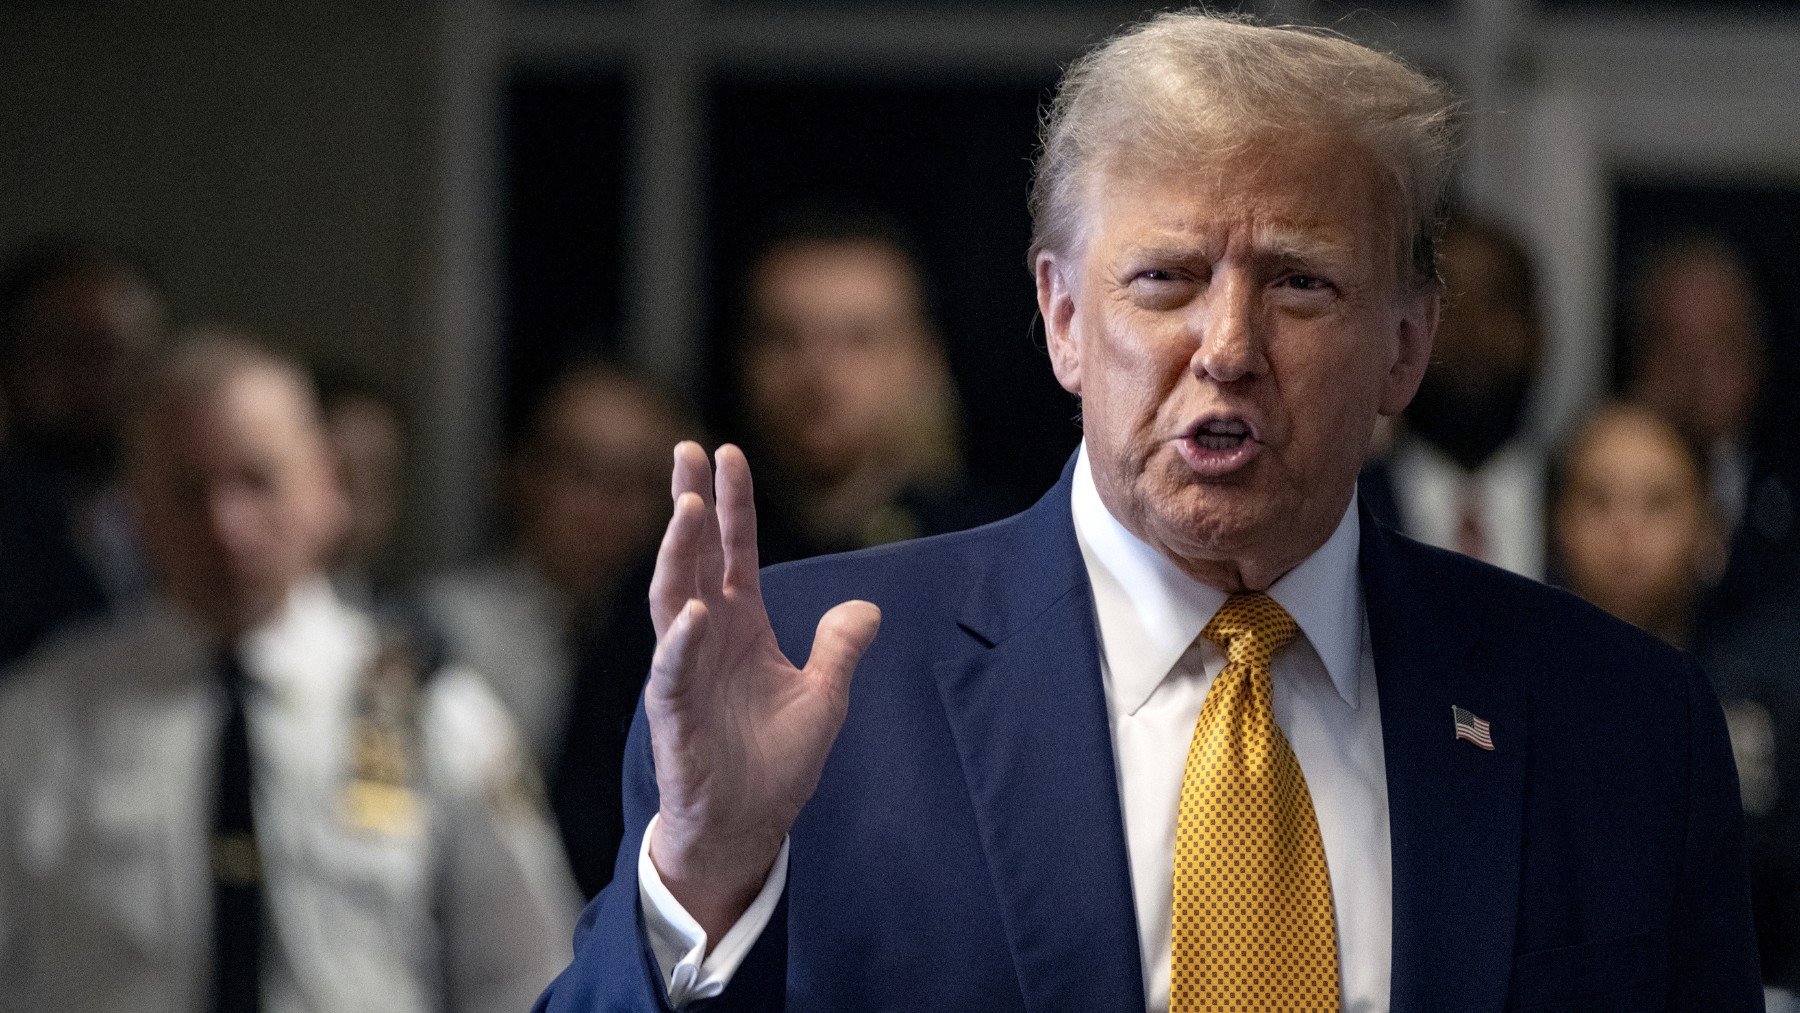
736 499
672 582
844 634
693 473
676 662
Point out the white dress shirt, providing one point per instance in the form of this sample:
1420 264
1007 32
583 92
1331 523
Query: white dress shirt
506 622
1156 670
1507 492
108 744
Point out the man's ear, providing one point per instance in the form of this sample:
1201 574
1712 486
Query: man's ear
1056 304
1416 329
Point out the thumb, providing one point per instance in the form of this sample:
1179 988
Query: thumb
844 634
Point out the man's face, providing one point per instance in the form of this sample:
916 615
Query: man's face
594 488
1487 326
1703 366
84 339
366 437
237 497
840 354
1486 352
1633 522
1233 331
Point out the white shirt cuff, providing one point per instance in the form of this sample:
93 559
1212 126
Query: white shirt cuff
678 941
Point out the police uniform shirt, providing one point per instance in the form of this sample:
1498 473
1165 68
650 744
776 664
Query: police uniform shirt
510 625
443 891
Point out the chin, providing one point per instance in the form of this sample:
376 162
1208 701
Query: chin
1203 521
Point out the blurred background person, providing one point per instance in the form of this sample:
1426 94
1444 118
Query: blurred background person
368 437
1699 356
243 794
1464 472
77 323
847 393
1698 341
1636 530
558 620
1633 523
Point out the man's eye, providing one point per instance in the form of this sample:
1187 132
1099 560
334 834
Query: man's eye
1306 282
1162 288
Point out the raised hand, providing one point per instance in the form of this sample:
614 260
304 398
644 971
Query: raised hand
739 734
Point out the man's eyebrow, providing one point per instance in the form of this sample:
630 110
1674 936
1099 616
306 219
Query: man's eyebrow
1181 253
1281 244
1290 244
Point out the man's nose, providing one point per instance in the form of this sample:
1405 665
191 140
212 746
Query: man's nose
1230 345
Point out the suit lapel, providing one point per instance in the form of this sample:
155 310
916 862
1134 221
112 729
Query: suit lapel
1455 810
1028 713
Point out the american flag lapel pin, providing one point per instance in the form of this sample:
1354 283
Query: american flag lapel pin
1470 728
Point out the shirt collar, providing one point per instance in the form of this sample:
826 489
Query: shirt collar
1516 461
313 633
1149 611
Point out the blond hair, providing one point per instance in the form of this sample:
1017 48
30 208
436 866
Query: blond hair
1194 85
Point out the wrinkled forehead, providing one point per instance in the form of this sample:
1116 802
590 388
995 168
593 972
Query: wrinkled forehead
1291 192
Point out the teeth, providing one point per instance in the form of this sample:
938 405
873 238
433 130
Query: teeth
1225 427
1212 442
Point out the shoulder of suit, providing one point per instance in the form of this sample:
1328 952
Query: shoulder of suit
1526 617
913 567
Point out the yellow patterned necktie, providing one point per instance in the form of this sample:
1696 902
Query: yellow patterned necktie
1252 914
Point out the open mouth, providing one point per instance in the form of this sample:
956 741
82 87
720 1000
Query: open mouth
1217 446
1221 434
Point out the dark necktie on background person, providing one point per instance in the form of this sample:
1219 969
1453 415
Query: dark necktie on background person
236 861
1471 523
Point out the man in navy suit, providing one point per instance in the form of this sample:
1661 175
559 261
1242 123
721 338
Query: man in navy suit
1506 799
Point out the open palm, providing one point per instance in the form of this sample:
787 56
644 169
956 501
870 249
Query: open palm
739 734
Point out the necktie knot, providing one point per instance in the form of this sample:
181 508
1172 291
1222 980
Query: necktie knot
1250 628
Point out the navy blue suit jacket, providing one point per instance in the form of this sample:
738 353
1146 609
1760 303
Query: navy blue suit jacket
965 849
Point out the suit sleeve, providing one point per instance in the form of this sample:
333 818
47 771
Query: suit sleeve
1712 954
615 967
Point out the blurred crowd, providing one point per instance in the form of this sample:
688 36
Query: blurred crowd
245 764
1671 504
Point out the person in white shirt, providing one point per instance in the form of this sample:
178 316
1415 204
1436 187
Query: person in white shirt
556 620
1194 732
1465 472
586 496
245 795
